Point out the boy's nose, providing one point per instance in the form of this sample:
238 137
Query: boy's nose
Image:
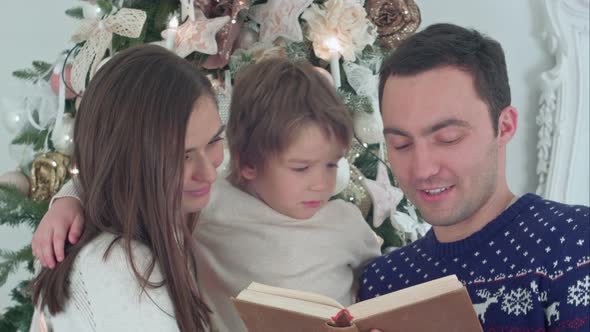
319 183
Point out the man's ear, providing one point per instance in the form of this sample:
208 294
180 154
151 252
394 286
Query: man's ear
248 172
507 124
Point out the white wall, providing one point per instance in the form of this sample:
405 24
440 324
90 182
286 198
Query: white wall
33 30
41 30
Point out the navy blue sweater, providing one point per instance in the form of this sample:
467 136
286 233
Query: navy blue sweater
527 270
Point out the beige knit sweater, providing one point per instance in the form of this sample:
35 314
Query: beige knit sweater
240 239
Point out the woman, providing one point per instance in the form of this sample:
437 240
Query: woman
146 145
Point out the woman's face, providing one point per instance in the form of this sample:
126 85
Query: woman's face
203 154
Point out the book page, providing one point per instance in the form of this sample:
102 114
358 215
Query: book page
405 297
295 294
289 304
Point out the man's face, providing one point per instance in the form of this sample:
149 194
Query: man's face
441 144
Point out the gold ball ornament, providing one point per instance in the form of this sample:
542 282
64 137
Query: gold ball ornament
395 20
355 151
356 193
17 179
48 174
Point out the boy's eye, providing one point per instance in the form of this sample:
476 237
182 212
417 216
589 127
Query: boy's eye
333 165
300 169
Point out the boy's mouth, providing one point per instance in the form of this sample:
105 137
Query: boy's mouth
312 204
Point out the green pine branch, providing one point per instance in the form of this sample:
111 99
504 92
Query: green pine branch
302 50
39 71
41 67
17 209
31 136
11 260
355 103
18 317
75 12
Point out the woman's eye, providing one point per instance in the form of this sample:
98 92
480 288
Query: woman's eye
215 140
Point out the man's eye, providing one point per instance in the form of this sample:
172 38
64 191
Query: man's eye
399 147
398 142
300 169
450 139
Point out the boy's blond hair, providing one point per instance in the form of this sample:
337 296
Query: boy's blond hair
271 101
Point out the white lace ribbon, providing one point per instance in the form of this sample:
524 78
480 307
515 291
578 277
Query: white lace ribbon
98 34
365 83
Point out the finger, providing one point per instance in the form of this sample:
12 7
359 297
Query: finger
37 251
75 230
47 253
59 239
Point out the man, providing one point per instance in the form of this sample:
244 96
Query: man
445 102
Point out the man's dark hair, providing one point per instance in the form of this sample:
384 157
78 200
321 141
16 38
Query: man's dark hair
441 45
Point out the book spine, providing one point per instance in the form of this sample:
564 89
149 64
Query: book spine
351 328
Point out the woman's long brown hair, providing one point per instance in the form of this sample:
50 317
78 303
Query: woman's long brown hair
129 150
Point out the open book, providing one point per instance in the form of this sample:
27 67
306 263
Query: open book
438 305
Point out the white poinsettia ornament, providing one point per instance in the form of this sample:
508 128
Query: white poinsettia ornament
345 21
385 197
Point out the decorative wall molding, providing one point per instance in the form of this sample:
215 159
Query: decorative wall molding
563 139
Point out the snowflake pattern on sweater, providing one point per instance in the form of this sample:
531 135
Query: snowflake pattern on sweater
527 270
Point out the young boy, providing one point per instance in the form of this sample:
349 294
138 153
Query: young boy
272 221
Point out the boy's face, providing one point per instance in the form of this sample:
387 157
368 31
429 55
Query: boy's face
300 180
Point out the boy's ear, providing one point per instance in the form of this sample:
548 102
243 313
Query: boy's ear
248 172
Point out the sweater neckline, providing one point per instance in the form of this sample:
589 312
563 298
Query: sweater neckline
474 241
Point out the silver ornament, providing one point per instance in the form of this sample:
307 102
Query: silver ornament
63 135
367 128
342 176
13 116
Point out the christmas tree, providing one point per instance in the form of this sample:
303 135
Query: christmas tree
345 39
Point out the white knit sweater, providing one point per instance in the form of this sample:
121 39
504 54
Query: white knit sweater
240 239
105 295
